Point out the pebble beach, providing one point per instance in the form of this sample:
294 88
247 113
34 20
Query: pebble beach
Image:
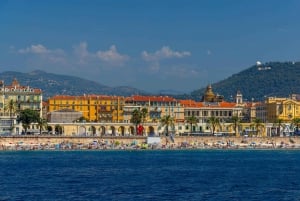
136 143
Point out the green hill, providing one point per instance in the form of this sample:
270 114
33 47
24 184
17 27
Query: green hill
53 84
279 79
255 83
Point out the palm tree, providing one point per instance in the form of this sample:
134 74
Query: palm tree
236 121
167 121
144 113
278 124
136 118
214 122
257 124
296 124
42 123
11 107
192 120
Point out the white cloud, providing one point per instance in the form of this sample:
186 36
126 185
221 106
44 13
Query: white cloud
164 53
112 56
56 56
82 52
39 49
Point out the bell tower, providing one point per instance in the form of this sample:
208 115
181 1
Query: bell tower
239 98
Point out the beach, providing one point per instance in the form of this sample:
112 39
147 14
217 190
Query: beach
138 142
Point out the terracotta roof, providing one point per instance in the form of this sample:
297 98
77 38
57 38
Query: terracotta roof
44 103
192 103
85 97
151 98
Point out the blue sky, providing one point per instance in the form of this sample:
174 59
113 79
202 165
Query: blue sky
148 44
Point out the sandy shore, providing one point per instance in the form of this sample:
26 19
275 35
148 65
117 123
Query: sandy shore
132 143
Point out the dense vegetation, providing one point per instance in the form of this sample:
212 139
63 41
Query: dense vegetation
279 79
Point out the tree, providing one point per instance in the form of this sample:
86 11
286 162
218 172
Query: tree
214 122
192 120
27 117
11 107
167 121
42 123
235 122
82 119
144 113
295 124
278 124
136 118
257 124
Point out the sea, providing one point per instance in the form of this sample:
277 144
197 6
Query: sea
150 175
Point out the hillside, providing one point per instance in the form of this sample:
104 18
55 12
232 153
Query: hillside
53 84
270 79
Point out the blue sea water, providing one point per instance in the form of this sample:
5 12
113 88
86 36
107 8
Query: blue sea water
150 175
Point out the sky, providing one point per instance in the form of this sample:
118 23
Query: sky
152 45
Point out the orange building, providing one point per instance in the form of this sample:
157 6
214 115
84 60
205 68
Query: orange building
96 108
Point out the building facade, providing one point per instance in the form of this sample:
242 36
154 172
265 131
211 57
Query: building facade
15 98
285 109
157 107
95 108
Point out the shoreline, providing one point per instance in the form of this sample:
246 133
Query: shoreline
62 143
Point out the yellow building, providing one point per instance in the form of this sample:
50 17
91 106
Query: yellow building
286 109
96 108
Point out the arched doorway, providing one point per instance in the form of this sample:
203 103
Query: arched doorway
102 130
150 131
121 130
113 130
58 129
49 129
82 131
92 131
131 130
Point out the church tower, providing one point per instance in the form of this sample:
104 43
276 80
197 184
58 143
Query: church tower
239 98
209 96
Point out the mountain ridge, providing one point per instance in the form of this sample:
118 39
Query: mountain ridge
255 83
55 84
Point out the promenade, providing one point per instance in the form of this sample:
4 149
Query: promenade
136 142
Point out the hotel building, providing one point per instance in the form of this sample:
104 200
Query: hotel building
157 107
21 98
94 108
